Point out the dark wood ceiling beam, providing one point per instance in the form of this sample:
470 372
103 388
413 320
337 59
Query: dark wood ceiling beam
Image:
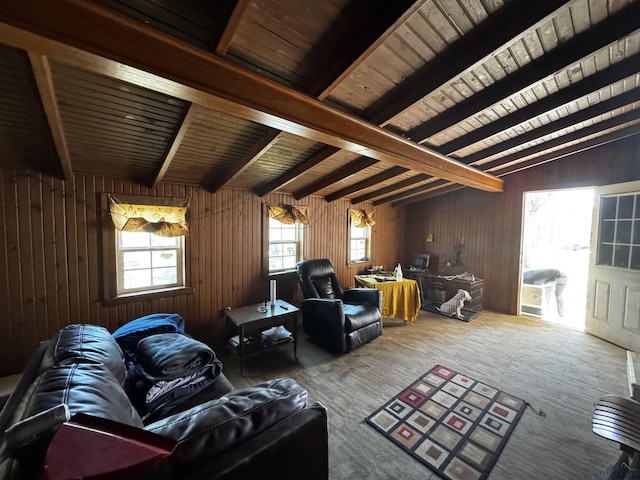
44 81
618 71
557 125
611 29
572 149
406 193
366 183
297 171
594 129
379 21
499 28
174 144
197 76
252 156
231 27
421 177
350 169
534 162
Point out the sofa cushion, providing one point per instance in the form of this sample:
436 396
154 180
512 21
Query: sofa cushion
85 343
84 387
211 428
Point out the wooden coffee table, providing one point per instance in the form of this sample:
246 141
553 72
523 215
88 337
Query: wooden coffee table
248 320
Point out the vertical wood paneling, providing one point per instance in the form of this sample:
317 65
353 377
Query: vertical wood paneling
50 255
489 224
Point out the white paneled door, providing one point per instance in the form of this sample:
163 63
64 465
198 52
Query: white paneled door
613 296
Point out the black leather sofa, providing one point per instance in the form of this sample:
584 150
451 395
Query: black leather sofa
339 320
267 429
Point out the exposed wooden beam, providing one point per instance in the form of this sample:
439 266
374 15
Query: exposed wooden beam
421 177
350 169
231 27
44 81
296 171
557 125
594 129
174 144
614 27
380 20
59 29
592 83
507 22
406 193
441 187
367 182
533 162
249 159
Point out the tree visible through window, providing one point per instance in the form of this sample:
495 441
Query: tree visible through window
359 242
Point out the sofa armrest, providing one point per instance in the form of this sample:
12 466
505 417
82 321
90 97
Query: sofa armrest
371 296
295 448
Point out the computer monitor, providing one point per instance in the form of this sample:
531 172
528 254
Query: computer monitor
420 261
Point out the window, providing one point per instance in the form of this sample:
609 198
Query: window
143 247
285 245
359 238
619 237
359 244
147 261
283 234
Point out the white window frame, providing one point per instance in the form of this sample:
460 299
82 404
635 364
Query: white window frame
149 287
298 228
351 249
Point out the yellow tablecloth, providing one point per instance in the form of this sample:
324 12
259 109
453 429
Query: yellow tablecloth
399 299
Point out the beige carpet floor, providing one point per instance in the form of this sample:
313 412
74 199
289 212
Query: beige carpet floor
558 370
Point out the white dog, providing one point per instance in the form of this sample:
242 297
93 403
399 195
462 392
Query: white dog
452 307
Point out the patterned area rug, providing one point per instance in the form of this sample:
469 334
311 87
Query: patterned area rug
454 424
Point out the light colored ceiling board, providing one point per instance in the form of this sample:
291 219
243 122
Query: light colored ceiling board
400 185
363 184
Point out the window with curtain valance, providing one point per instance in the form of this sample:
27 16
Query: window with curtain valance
144 245
359 235
284 236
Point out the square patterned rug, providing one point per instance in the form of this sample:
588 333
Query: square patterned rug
452 423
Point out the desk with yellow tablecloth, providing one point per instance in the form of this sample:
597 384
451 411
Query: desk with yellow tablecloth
399 299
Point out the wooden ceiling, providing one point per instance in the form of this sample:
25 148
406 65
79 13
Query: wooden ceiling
392 102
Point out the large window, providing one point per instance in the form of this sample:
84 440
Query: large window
148 262
359 235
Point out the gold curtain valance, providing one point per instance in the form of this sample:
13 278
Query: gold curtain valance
288 214
165 217
361 218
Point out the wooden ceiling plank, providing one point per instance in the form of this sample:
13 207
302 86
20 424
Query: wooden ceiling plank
231 27
44 81
400 195
506 23
249 159
174 144
421 177
619 24
388 17
533 162
556 126
350 169
297 171
564 139
194 75
590 84
366 183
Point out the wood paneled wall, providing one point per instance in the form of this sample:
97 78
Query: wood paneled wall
51 261
489 224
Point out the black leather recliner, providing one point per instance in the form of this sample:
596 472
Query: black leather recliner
337 320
